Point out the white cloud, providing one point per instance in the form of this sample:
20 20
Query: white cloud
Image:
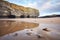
50 6
46 5
32 5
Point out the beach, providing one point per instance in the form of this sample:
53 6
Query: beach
34 29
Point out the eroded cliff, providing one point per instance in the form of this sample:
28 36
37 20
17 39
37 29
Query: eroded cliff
10 9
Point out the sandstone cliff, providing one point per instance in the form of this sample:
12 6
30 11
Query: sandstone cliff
7 9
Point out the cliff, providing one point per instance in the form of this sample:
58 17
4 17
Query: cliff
7 8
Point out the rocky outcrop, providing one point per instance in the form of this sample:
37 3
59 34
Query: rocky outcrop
10 9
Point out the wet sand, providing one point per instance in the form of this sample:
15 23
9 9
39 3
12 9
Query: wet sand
37 20
37 33
9 26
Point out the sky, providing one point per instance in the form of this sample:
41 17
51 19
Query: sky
45 7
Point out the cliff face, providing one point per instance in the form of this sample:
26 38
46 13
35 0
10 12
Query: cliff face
7 8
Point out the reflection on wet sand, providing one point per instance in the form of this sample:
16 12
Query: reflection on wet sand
9 26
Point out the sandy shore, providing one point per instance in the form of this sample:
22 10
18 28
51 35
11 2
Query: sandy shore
52 24
38 20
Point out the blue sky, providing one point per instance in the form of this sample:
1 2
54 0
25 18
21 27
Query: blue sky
46 7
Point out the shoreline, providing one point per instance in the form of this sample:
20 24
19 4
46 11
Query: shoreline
37 20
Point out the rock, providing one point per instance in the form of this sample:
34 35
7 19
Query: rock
46 29
7 9
29 33
16 34
38 36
